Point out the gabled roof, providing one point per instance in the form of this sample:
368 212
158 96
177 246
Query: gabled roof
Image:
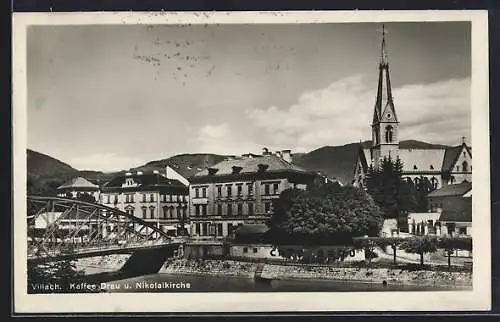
457 216
458 189
452 154
144 181
78 182
251 165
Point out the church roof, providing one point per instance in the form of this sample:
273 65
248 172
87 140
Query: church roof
78 182
452 154
422 160
458 189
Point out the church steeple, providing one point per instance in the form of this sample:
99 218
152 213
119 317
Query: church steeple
385 123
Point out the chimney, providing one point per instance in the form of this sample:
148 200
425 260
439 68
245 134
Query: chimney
287 155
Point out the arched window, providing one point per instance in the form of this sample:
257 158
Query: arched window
388 134
152 212
465 166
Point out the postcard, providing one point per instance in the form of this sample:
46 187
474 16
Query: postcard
251 161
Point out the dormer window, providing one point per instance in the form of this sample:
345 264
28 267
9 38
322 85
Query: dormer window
212 171
237 169
465 166
129 182
432 168
263 167
415 167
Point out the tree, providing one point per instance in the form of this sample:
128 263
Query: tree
60 272
421 245
381 242
450 244
327 214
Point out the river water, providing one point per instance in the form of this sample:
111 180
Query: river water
191 283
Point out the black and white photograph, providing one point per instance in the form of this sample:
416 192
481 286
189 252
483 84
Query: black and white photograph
218 154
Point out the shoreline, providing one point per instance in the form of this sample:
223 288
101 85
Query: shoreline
231 268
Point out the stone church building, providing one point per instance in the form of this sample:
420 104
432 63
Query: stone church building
441 165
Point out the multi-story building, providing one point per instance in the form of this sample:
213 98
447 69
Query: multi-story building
240 190
150 196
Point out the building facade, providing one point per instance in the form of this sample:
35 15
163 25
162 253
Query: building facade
439 165
150 196
241 190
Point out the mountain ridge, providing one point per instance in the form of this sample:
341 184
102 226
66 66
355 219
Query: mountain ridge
46 173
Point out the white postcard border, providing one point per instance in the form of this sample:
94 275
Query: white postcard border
477 299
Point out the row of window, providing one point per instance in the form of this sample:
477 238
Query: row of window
166 213
269 188
216 229
129 198
201 210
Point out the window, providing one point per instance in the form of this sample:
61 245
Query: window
143 197
170 198
219 210
151 198
197 229
196 192
130 198
388 134
144 212
245 250
465 166
250 189
250 209
266 189
178 212
165 212
255 250
197 210
204 192
162 198
239 190
219 191
108 199
116 199
229 229
204 210
152 212
462 230
240 209
267 207
229 191
171 212
276 188
218 230
229 210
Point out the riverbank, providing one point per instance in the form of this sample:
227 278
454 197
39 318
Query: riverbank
101 264
232 268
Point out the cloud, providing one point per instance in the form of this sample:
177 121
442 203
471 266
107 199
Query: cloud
341 113
221 139
105 162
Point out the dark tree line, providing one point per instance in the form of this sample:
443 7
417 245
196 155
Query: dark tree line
394 195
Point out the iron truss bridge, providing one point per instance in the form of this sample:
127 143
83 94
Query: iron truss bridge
60 228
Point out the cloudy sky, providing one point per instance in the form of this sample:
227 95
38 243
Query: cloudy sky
114 97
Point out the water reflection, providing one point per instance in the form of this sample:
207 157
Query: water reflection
191 283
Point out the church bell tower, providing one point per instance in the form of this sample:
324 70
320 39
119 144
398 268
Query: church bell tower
385 124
